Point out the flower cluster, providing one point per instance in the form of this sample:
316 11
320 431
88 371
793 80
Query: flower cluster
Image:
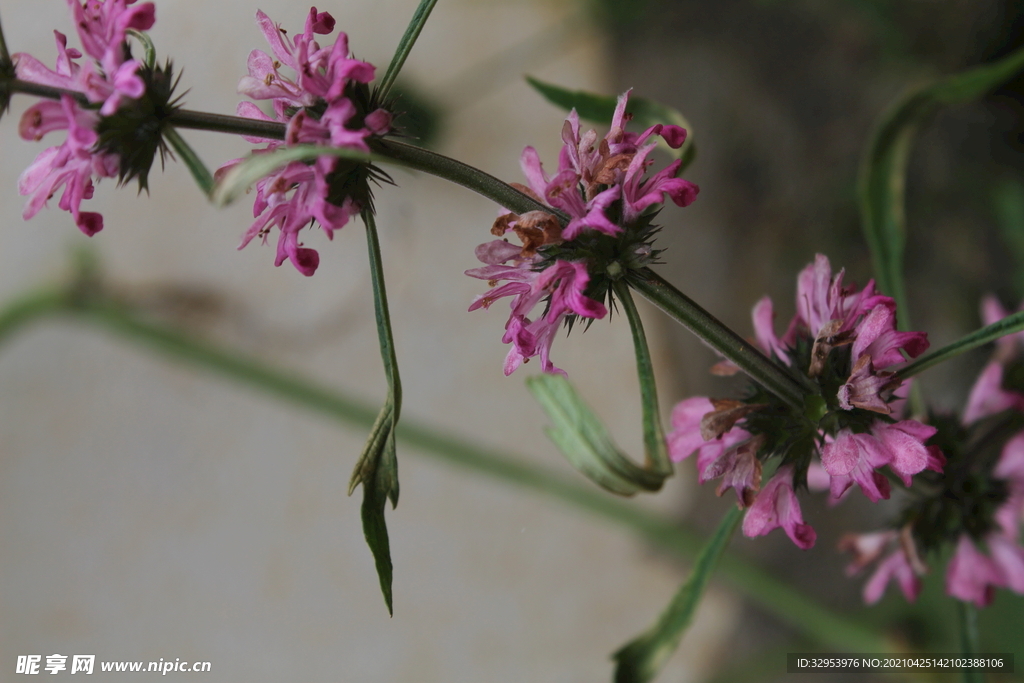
102 28
603 192
327 103
975 503
843 345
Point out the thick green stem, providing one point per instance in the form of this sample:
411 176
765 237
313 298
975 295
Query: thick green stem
708 329
461 174
654 434
222 123
789 604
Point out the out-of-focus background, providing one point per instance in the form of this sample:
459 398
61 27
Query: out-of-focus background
148 510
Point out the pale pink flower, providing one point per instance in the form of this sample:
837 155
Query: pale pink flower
731 455
776 506
902 564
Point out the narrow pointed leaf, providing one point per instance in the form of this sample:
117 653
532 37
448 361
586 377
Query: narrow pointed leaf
377 468
583 440
412 32
883 168
235 182
643 658
989 333
195 165
601 108
148 49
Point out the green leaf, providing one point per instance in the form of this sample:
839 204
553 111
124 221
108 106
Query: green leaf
641 659
883 167
1008 325
583 440
377 468
412 32
148 49
601 108
377 471
195 165
235 182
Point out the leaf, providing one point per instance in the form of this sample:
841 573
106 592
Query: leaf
883 167
236 181
601 108
641 659
377 471
377 468
412 32
584 441
195 165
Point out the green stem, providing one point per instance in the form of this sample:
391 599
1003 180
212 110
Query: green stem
222 123
382 314
461 174
989 333
195 165
654 434
787 603
412 32
970 639
719 337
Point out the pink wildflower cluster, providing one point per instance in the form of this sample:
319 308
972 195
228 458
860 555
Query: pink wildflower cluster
854 349
989 502
972 575
318 108
603 188
102 27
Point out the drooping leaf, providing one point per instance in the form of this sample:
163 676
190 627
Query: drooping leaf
200 173
883 169
583 440
412 32
641 659
601 108
377 469
235 182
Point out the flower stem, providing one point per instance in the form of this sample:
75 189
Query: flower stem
222 123
970 640
462 174
654 434
720 338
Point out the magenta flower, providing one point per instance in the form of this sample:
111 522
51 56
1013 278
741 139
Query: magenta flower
102 27
323 104
840 335
593 176
601 186
561 285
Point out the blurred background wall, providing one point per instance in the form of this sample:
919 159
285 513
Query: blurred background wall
149 511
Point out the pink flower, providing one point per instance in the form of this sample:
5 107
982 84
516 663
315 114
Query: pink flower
102 27
776 506
318 108
850 457
902 564
561 285
593 175
731 455
970 575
